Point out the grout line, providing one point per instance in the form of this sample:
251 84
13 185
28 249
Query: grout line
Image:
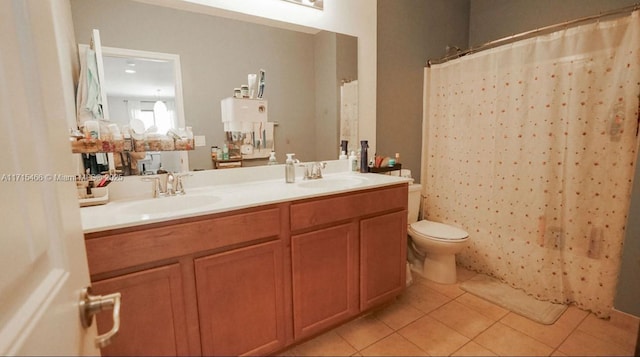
575 328
600 337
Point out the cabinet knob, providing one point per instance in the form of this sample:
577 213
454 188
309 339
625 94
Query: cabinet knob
90 305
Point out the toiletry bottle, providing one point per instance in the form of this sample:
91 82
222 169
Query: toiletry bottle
364 160
92 129
353 162
225 152
344 144
343 155
290 169
272 158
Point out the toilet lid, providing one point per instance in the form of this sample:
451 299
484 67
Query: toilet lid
438 230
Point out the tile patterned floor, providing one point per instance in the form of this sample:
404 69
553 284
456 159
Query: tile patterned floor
431 319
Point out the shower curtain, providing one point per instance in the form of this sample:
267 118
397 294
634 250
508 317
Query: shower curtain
531 148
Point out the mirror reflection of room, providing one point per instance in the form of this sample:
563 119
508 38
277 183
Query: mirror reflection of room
305 70
141 94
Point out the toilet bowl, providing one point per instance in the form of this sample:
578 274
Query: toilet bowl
432 245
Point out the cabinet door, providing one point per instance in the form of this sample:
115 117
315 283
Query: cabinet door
152 314
241 301
325 278
383 255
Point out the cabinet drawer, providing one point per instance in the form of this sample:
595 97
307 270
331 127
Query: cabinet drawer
133 248
326 210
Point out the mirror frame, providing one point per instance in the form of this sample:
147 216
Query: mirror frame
179 103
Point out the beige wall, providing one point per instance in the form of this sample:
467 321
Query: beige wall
351 17
409 33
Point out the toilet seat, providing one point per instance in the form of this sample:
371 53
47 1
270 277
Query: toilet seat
438 231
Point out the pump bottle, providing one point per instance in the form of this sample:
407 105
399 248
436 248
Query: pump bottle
290 169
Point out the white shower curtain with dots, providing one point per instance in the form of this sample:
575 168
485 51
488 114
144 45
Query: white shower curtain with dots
531 148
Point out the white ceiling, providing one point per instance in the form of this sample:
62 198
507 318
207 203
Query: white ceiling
153 78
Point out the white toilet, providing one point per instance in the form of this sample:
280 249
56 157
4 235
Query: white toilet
433 246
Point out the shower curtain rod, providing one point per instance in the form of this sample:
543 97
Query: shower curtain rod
532 33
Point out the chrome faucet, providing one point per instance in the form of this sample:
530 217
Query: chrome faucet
313 171
166 184
169 184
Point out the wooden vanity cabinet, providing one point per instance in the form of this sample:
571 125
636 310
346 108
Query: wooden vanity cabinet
251 281
348 254
212 285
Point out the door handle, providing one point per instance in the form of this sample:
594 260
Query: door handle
93 304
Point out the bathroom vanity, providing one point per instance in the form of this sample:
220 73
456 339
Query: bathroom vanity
243 277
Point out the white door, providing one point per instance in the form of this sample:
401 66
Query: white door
42 256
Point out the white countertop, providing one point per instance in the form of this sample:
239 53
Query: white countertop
202 198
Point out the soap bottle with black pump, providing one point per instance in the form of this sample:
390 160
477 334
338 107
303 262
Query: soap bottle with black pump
364 160
290 169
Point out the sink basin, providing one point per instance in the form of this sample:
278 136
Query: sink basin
333 182
170 204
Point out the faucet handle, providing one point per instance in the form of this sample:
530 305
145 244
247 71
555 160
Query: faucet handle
316 171
178 186
307 171
156 188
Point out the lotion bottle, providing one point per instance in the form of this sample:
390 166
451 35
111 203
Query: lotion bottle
290 169
353 162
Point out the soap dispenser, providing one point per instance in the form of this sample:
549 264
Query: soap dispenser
290 169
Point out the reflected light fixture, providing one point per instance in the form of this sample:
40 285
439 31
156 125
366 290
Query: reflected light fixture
316 4
159 108
130 66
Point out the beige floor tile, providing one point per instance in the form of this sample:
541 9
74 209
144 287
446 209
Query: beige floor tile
393 345
580 343
557 353
464 274
424 299
398 315
609 331
464 320
363 331
473 349
434 337
625 321
551 335
328 344
450 290
486 308
506 341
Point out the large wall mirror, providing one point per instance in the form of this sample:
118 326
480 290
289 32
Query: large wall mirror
307 73
145 87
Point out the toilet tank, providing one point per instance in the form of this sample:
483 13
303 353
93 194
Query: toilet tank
414 202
